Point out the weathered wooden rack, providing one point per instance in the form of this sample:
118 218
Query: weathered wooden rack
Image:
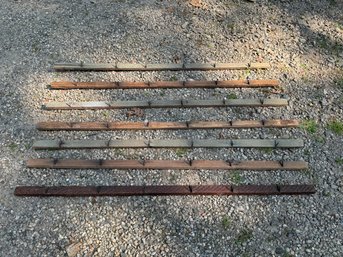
150 125
156 67
266 102
176 143
166 164
73 191
164 84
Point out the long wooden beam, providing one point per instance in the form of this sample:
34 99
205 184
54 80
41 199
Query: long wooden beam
266 102
165 164
156 67
164 84
176 143
163 190
151 125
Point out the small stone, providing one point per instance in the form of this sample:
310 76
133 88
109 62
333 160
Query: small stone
73 249
279 250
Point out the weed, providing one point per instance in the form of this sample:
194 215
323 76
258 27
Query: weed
339 161
232 96
326 194
226 222
333 2
118 151
306 152
13 146
267 150
336 126
236 177
339 82
320 139
243 236
35 47
180 152
231 27
173 177
310 126
286 254
173 78
304 66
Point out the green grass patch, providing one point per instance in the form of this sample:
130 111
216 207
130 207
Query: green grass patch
339 161
310 126
243 236
236 177
336 126
226 222
13 146
232 96
180 152
339 82
267 150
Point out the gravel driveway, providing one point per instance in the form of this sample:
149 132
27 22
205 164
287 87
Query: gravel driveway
303 42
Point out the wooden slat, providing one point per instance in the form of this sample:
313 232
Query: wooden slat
165 104
162 190
164 84
166 164
156 67
149 125
155 143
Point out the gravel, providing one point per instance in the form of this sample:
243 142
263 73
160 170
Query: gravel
302 40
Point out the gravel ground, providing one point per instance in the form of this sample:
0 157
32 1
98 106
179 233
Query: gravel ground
303 41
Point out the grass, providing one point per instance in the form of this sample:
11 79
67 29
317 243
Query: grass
180 152
13 147
339 82
226 222
339 161
232 96
336 126
287 255
236 177
243 236
319 139
267 149
310 126
173 78
306 152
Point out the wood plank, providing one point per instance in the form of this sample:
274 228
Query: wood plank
164 84
132 85
232 66
167 125
156 143
200 84
168 104
120 125
281 123
155 67
165 164
247 124
162 190
209 124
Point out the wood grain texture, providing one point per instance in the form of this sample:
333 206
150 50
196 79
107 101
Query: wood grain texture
156 67
166 164
277 102
163 190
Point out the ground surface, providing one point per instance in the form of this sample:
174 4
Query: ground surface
302 40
